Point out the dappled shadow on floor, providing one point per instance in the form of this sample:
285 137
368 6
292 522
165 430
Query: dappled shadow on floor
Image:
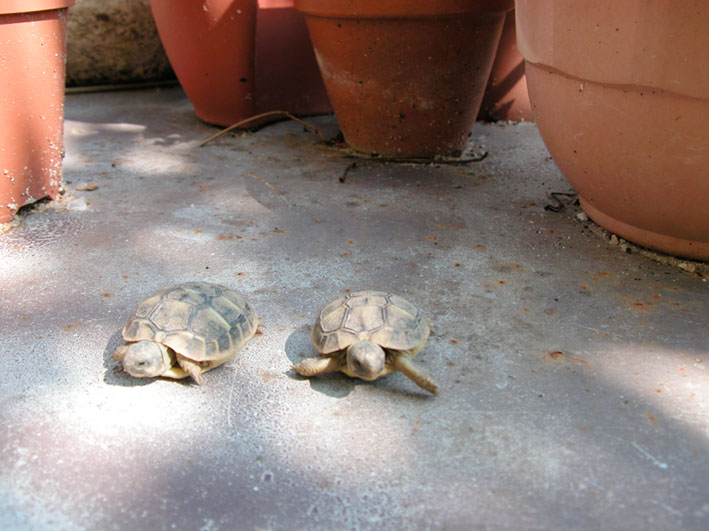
298 347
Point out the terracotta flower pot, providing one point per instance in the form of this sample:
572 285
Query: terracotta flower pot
33 51
287 75
405 77
506 96
210 46
620 92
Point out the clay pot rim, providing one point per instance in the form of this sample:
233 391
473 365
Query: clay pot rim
620 43
401 9
9 7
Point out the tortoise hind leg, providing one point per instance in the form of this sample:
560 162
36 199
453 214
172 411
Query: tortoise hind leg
420 376
319 365
192 368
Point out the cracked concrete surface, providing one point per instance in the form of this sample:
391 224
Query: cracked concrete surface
573 376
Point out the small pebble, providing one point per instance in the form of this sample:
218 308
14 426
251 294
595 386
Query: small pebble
687 266
86 187
582 216
77 205
614 239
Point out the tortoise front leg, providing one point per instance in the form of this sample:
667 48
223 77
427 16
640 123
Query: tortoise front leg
192 368
120 353
420 376
320 365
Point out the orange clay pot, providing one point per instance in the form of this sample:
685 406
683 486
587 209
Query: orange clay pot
506 96
210 46
287 75
405 77
33 52
620 92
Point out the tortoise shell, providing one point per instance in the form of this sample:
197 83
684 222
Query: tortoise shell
198 320
383 318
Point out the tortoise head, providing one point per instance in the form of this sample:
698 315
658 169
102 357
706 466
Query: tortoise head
145 359
366 360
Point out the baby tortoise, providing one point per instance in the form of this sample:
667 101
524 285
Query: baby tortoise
186 330
368 334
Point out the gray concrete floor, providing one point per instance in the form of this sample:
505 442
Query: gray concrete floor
575 389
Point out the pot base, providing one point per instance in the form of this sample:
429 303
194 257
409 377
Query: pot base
653 240
635 156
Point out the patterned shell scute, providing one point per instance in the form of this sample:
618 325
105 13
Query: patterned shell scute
198 320
383 318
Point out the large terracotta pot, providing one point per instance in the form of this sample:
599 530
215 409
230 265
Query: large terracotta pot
33 52
405 77
620 92
210 46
